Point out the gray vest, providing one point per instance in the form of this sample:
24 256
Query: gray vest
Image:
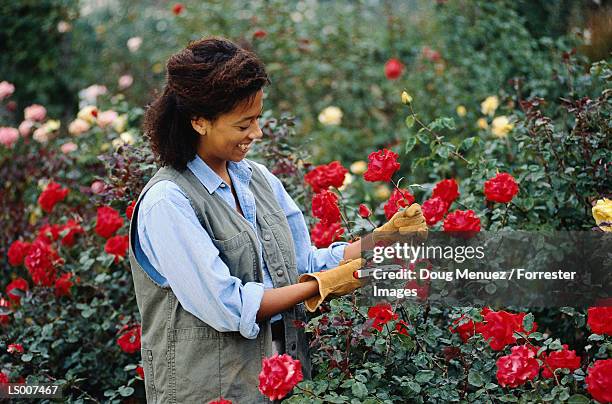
184 359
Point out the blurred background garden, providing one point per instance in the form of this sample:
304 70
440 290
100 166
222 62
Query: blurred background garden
459 89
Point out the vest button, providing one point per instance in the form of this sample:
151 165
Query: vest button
222 185
279 272
267 237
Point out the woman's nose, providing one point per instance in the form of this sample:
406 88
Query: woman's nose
256 133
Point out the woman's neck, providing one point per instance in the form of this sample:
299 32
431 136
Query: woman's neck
217 165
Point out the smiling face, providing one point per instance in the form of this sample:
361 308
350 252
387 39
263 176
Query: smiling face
230 137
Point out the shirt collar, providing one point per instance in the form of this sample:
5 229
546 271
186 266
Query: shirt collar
240 171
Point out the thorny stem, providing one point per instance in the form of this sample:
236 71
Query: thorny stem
343 213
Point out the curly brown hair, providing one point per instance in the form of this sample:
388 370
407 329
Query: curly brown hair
208 78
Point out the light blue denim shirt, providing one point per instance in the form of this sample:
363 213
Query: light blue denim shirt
175 250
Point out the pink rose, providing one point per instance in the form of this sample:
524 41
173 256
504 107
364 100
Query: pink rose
6 90
35 112
125 81
106 118
8 136
25 128
69 147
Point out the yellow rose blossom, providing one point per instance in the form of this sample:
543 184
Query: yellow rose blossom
501 126
157 68
359 167
406 98
348 179
482 123
382 192
127 137
105 146
52 125
489 105
331 116
117 143
87 114
461 111
120 123
602 212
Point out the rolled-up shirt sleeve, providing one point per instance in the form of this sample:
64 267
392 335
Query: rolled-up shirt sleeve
309 258
183 253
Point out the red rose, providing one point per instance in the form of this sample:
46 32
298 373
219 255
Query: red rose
327 175
15 348
129 340
323 234
279 374
52 194
398 199
49 233
499 328
402 327
447 190
73 228
599 380
129 211
382 313
108 221
3 378
17 252
501 188
434 210
63 285
393 69
260 34
4 318
466 327
325 207
364 211
178 8
140 371
461 220
117 246
40 262
221 400
599 320
430 54
16 289
382 164
564 359
517 368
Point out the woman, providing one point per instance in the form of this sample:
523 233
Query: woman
216 243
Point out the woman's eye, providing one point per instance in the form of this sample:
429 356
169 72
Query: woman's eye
243 129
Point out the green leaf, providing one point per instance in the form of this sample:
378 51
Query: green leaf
595 337
410 121
27 357
410 143
490 288
468 143
475 378
359 390
424 376
528 322
126 391
578 399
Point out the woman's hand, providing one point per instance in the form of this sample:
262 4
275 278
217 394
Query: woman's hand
333 282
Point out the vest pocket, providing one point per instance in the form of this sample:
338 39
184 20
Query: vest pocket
149 379
282 234
237 253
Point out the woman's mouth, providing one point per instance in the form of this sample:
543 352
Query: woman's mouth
244 147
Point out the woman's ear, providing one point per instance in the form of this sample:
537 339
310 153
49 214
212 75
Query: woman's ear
200 125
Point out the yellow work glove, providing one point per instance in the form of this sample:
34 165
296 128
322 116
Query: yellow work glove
333 282
404 221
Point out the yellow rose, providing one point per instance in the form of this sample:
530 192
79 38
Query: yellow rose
120 123
501 126
52 125
382 192
87 114
461 111
331 116
127 137
359 167
157 68
406 98
348 178
482 123
489 105
602 212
